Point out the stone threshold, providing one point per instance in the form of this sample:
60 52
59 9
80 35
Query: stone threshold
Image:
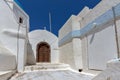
46 66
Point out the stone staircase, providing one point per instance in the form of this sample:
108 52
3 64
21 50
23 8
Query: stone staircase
46 66
52 75
5 75
53 71
111 73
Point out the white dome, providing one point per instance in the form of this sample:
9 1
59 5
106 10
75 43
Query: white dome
42 34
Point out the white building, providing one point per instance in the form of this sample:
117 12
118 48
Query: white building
90 39
86 42
13 34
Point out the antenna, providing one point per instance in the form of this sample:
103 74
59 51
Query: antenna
50 22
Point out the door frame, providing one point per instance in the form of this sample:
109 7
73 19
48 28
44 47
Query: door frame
37 51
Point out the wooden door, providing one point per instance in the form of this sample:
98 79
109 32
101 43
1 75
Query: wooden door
43 53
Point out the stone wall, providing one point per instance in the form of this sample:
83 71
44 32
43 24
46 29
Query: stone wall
93 15
13 35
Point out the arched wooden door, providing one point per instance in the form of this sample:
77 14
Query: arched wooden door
43 52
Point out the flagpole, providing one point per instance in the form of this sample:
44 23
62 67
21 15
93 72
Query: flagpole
50 22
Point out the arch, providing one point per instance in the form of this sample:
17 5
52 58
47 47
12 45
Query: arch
43 51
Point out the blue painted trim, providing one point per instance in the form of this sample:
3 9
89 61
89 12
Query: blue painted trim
69 37
117 11
101 21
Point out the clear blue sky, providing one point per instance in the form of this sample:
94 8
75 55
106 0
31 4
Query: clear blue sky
61 10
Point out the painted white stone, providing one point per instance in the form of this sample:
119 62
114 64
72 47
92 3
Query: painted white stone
92 52
98 10
7 59
31 60
112 72
23 30
101 48
10 3
66 55
7 22
10 31
67 27
84 53
83 13
52 75
5 75
77 50
118 34
47 66
70 53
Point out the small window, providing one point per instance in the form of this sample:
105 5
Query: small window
20 20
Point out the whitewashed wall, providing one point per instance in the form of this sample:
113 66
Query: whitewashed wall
9 29
118 34
23 35
66 29
98 10
67 55
70 53
10 3
82 14
70 49
102 48
7 59
38 36
94 14
111 73
77 52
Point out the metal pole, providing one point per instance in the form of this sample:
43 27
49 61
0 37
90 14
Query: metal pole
114 15
50 22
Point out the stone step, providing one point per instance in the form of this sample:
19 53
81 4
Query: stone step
5 75
46 66
92 72
52 75
112 72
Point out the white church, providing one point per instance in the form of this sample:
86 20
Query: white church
87 48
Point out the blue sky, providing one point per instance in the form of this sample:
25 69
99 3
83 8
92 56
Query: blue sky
61 10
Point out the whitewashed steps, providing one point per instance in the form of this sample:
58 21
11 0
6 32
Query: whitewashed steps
50 71
5 75
46 66
52 75
7 59
112 72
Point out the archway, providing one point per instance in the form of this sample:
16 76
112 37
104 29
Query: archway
43 52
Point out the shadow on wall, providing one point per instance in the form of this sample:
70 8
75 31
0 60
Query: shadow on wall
92 38
30 55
